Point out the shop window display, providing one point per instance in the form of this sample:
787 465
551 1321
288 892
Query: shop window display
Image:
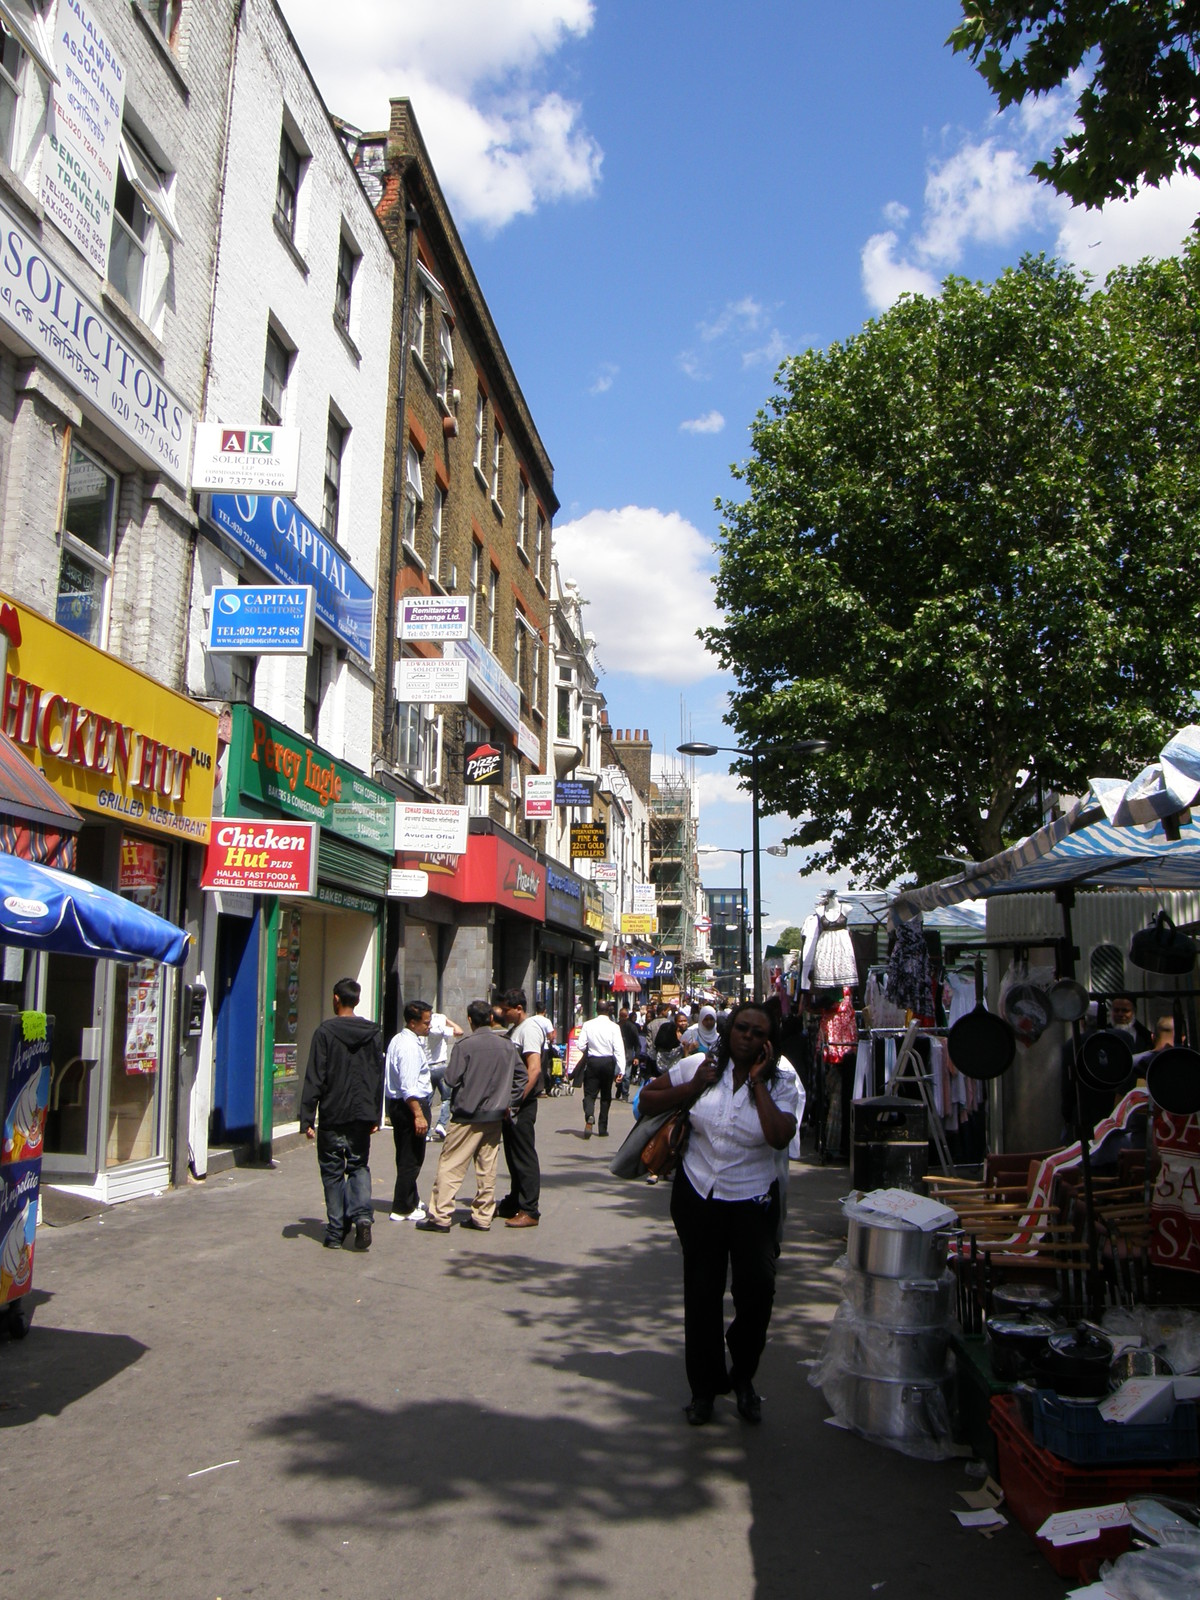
136 1076
287 1065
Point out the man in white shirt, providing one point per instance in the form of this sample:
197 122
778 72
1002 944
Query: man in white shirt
442 1034
408 1094
521 1206
603 1064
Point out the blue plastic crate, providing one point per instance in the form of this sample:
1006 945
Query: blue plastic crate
1076 1432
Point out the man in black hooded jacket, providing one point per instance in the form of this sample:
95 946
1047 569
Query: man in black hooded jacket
344 1078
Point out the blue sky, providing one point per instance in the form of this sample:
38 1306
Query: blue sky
664 198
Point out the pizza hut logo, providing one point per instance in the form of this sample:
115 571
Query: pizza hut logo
483 764
439 861
520 882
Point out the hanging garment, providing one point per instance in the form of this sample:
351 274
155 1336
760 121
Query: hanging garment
958 996
878 1008
833 961
808 949
864 1078
838 1033
909 983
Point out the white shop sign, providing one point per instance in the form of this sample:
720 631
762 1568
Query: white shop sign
45 309
645 899
431 680
434 616
528 742
246 460
406 884
489 679
438 829
83 133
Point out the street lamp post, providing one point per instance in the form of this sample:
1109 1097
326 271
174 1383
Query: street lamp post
698 747
720 850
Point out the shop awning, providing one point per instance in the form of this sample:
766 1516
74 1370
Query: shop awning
1131 835
625 983
42 908
36 823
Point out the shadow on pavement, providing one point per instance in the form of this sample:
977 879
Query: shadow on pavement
306 1228
54 1367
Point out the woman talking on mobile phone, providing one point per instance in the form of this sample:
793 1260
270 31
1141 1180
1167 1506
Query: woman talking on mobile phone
725 1202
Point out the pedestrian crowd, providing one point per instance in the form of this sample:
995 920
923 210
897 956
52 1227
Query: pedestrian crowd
742 1101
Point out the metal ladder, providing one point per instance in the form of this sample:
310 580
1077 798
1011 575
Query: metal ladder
908 1068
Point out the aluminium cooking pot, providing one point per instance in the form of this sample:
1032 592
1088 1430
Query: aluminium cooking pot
1173 1079
888 1248
1162 948
1105 1060
981 1045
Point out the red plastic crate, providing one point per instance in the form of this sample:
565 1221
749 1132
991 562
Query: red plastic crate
1037 1483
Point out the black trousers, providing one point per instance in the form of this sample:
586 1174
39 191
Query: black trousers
717 1236
520 1152
410 1153
598 1074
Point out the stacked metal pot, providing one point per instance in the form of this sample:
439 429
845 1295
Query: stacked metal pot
884 1368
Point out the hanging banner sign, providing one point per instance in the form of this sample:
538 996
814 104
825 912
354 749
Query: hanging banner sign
261 857
245 460
589 841
604 872
440 829
1175 1203
489 680
645 899
643 967
274 620
274 532
638 924
529 744
483 764
434 616
431 680
83 133
90 351
407 884
539 797
574 792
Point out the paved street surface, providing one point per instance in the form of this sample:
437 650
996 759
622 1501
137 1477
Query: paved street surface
452 1416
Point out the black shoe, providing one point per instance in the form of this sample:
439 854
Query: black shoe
362 1236
479 1227
507 1208
602 1133
749 1402
698 1412
428 1225
331 1241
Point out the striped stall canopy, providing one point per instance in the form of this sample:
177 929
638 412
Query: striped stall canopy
36 823
1129 835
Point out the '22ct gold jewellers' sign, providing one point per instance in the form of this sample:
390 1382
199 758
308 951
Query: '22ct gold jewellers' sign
108 738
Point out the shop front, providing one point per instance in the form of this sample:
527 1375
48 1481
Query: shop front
136 762
275 958
565 986
475 930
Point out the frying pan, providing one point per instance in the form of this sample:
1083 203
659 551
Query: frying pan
1105 1060
981 1044
1068 1000
1173 1079
1027 1011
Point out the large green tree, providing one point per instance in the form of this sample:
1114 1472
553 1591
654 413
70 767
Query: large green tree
1136 68
970 558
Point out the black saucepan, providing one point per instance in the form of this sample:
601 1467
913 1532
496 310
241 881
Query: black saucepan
1173 1079
981 1044
1105 1060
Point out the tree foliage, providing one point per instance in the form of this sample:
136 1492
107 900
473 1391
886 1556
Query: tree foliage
790 939
969 558
1135 114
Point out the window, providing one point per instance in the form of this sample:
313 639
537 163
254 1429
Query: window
12 64
414 495
314 689
535 692
518 649
445 374
435 534
335 446
522 512
419 743
540 546
165 15
287 184
493 585
276 367
497 463
478 596
88 538
22 37
420 317
563 730
480 430
139 254
346 268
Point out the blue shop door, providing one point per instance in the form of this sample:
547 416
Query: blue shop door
235 1069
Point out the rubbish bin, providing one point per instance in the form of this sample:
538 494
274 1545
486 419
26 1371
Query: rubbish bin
890 1143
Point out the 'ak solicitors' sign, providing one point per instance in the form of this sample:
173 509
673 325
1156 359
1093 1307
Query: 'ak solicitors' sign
110 740
258 857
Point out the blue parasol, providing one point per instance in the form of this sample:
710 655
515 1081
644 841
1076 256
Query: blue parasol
44 909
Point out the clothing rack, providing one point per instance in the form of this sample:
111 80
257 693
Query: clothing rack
907 1058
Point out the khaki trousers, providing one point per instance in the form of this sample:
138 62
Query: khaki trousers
467 1142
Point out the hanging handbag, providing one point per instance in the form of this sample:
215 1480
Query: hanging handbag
663 1151
627 1163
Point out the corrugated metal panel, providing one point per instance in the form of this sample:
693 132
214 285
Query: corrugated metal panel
339 861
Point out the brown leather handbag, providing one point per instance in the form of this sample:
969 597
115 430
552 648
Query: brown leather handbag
663 1151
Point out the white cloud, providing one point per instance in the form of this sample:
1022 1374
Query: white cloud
503 141
770 353
745 316
982 194
719 788
691 366
604 378
710 422
740 321
635 631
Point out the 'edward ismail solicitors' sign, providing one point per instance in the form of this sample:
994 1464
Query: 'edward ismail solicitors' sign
109 739
258 857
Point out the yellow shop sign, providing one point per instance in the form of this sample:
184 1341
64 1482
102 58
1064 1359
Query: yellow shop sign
109 738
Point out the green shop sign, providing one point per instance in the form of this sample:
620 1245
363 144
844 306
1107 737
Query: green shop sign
276 768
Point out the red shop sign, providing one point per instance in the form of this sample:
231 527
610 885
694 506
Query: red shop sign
493 872
260 857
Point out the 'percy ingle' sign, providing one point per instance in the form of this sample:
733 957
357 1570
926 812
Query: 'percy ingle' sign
275 533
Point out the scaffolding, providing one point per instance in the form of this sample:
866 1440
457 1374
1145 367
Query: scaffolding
673 866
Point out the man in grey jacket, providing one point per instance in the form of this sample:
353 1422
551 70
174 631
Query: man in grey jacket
480 1081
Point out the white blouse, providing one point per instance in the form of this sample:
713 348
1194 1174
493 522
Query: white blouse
727 1155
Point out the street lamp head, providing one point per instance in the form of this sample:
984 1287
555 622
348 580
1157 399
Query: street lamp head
697 747
777 849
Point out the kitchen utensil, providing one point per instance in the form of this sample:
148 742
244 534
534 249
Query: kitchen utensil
1162 948
1021 1299
888 1248
1162 1521
1075 1363
1173 1079
1138 1363
1105 1060
981 1044
891 1408
1068 1000
1027 1011
908 1303
1014 1343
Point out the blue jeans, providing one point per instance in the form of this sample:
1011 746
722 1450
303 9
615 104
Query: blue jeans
436 1075
342 1155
